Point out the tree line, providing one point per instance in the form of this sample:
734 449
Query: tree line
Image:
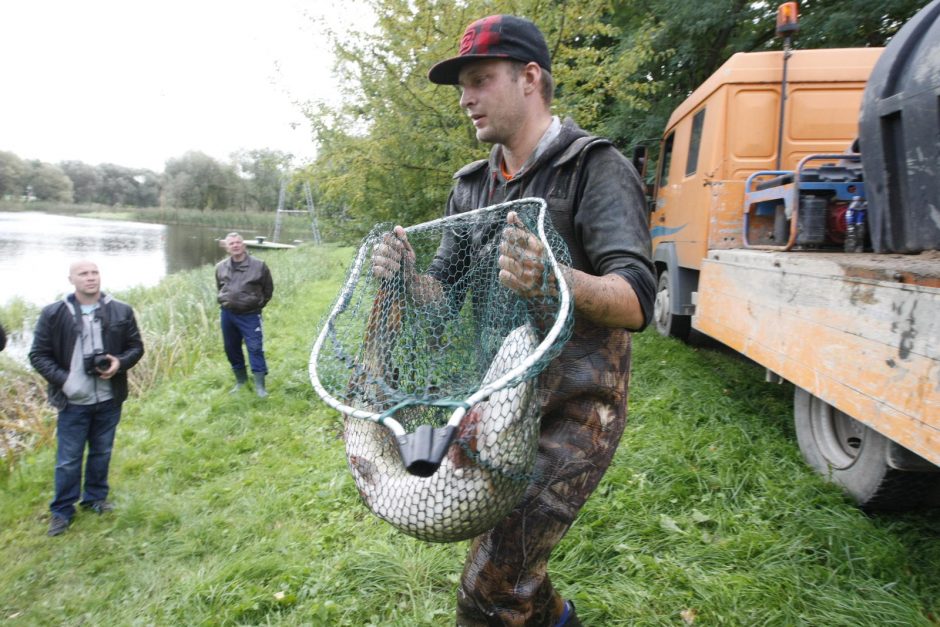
251 180
388 152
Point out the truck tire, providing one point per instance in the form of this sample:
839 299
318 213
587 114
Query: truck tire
855 457
667 323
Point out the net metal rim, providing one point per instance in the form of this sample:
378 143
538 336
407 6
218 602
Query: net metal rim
485 391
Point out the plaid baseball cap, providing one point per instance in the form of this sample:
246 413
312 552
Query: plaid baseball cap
494 37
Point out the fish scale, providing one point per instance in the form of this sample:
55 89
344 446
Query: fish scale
455 503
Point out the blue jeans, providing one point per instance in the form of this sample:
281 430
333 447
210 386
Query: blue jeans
243 327
78 424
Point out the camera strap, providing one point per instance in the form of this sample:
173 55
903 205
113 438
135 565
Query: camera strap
87 326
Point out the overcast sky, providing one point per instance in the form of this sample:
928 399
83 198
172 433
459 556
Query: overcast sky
136 83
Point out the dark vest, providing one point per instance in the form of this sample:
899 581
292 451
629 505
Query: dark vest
558 182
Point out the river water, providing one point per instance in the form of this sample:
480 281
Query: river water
37 248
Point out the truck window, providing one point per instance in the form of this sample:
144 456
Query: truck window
695 142
666 160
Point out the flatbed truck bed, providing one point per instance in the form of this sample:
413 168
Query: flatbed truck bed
859 331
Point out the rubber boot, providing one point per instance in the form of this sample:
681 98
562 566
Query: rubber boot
259 384
241 378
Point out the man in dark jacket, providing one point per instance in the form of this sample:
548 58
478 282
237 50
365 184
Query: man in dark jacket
245 287
596 202
83 347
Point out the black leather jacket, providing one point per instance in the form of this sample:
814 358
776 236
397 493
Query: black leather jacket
54 342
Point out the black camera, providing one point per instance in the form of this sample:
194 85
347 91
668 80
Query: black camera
96 362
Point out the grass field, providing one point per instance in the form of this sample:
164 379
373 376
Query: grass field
234 510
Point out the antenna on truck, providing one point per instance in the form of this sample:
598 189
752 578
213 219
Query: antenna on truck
788 25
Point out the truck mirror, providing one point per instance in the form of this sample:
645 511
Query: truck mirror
639 159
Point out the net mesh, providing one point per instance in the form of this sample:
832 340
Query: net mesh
440 346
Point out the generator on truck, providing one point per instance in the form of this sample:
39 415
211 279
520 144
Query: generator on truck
795 218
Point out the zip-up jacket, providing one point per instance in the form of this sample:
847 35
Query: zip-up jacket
58 328
245 286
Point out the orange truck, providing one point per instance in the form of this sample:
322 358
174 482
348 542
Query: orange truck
804 233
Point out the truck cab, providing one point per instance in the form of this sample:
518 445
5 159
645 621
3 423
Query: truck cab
729 129
810 243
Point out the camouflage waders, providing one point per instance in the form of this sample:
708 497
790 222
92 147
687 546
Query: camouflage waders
505 579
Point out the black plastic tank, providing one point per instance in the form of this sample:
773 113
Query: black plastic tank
899 136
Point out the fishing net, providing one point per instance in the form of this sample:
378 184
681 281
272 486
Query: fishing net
433 365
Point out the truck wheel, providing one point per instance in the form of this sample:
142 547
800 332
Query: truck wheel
855 457
667 323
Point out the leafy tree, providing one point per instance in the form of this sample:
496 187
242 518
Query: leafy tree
117 187
389 152
693 39
149 187
12 173
113 185
843 23
621 66
261 172
48 182
197 181
86 180
128 187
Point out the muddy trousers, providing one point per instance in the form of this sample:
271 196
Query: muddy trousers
505 578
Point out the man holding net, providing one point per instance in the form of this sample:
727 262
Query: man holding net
596 201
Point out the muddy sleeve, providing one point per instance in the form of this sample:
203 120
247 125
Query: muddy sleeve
612 223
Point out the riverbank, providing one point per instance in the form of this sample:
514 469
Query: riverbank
235 510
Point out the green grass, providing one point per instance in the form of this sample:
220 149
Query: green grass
234 510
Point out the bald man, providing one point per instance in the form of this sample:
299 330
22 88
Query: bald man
83 347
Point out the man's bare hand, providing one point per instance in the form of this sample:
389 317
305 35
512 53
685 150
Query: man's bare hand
520 259
112 369
393 254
